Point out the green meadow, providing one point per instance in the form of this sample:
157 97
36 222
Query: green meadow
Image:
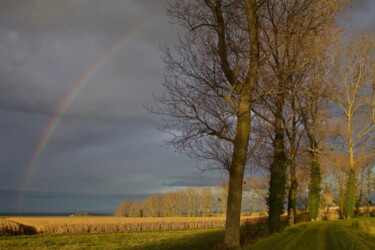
168 239
330 235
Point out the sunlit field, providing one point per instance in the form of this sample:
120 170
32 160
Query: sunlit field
118 224
328 235
167 239
338 234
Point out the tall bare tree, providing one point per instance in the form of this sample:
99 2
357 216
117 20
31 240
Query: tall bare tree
313 110
288 29
355 97
213 81
210 86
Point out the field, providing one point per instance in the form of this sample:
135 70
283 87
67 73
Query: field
176 239
13 228
330 235
118 224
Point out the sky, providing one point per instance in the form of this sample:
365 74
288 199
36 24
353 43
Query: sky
75 76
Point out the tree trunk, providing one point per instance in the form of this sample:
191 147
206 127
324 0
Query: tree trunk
292 199
314 187
278 172
350 194
277 189
358 202
351 184
241 140
236 173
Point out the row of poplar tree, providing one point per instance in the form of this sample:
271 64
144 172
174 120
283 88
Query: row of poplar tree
189 202
273 85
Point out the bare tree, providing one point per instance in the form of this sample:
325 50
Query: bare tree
314 105
123 209
207 201
213 82
355 97
210 86
288 29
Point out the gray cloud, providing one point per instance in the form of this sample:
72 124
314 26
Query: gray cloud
195 180
66 203
359 16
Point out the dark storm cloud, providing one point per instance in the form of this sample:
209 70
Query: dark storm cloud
50 202
360 16
105 139
193 181
49 45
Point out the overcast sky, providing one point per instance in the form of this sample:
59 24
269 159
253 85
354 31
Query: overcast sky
106 147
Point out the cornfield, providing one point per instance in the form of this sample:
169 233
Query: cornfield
118 224
8 228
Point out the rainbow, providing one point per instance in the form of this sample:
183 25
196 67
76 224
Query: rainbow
64 105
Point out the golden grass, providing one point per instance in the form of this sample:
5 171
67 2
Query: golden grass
121 224
8 228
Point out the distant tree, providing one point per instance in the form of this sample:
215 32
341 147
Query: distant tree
152 206
257 192
135 209
123 209
327 199
221 194
206 201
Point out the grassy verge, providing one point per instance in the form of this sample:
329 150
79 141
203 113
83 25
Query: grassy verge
330 235
168 239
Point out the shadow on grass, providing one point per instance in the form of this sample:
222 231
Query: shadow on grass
329 235
200 240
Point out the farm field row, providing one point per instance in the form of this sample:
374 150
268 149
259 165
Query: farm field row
120 224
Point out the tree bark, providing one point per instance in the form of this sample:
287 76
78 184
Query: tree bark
241 141
278 171
351 184
314 187
236 173
350 194
292 199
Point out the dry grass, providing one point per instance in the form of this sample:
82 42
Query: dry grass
8 228
120 224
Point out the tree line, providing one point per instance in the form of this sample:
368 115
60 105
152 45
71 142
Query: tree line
275 87
199 201
190 202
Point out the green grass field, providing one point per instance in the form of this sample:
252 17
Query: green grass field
330 235
168 239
